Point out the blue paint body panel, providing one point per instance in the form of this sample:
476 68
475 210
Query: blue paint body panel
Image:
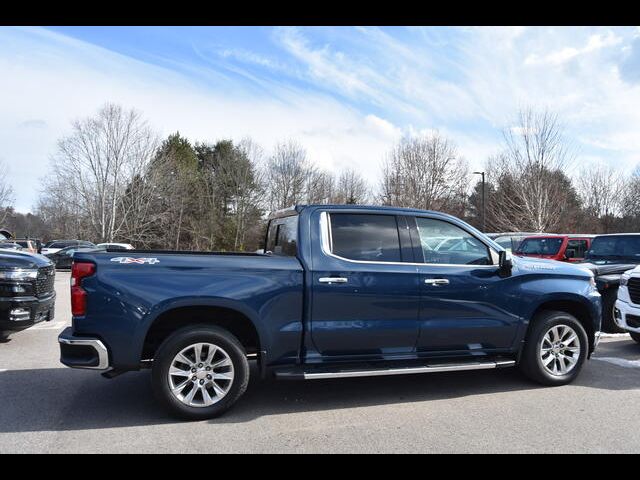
383 312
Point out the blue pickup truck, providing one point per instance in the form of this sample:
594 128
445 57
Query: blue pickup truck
340 291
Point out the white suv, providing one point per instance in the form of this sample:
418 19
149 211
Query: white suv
627 309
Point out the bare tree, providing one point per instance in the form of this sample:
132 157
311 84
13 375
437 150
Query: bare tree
60 208
424 172
319 186
286 175
6 193
600 188
99 160
351 188
533 192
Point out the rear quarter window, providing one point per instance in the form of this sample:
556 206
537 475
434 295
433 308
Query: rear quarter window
282 236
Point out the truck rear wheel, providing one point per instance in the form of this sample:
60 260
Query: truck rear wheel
609 298
199 372
555 349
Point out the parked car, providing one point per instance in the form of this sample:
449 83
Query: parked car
57 245
10 246
27 245
563 248
27 294
509 240
63 259
626 312
608 257
116 246
343 291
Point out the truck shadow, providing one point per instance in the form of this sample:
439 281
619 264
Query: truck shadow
63 399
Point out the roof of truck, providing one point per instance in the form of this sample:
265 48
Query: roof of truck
562 235
285 212
618 234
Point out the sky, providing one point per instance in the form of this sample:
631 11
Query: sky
347 94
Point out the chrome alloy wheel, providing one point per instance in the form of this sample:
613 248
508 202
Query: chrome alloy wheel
201 375
560 350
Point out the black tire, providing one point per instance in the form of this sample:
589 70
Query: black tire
4 336
609 298
182 339
635 336
531 363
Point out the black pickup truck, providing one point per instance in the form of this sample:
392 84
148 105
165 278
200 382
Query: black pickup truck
608 258
27 293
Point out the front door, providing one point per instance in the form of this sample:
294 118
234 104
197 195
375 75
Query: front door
365 294
462 297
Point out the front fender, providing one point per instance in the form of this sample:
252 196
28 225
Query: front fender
604 282
589 302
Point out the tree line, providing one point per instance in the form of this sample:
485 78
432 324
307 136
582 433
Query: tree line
113 179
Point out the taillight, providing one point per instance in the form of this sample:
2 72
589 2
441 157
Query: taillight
80 270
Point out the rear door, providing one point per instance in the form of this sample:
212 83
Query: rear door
365 294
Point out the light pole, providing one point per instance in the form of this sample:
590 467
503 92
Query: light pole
484 212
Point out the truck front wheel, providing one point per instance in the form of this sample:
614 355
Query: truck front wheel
200 372
555 349
635 336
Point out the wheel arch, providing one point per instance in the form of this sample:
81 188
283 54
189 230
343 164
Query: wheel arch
581 310
219 312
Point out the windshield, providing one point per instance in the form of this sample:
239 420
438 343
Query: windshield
615 247
540 246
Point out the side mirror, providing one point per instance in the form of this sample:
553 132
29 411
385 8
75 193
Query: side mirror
505 263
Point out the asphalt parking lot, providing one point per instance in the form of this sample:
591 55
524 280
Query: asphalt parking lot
45 407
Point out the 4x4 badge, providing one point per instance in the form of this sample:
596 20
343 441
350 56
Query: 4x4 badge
139 261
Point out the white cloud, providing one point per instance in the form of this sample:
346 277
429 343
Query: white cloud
56 79
558 57
347 94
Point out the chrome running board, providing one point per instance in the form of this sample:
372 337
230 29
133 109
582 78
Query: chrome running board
318 374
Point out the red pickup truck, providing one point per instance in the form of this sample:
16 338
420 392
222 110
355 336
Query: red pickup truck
564 248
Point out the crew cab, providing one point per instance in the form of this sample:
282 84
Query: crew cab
563 248
339 292
27 294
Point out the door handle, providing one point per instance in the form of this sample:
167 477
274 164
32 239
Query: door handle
331 280
436 281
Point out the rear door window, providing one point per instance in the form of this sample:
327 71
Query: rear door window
365 237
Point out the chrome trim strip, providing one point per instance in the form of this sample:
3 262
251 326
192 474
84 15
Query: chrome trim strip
98 346
409 370
326 243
